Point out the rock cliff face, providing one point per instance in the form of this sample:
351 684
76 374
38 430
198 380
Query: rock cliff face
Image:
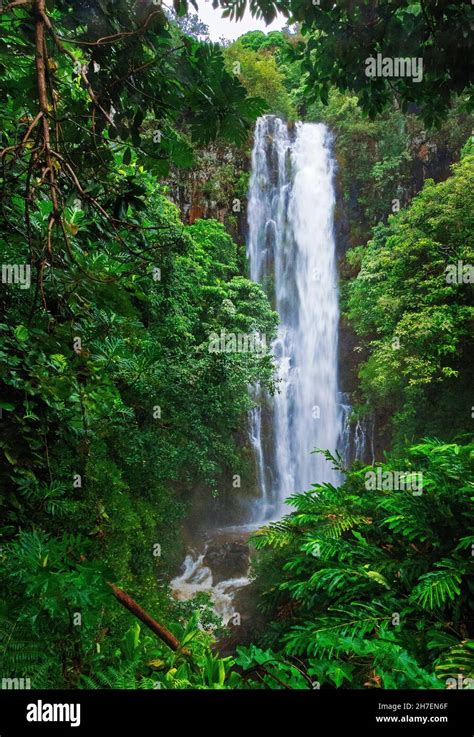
360 200
216 187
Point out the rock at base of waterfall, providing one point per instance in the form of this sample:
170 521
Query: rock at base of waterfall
229 559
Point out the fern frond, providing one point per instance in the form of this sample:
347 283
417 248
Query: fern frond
276 535
457 661
437 588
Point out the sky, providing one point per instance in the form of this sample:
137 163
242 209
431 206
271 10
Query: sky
231 29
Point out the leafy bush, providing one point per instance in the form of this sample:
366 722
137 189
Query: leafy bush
376 585
412 320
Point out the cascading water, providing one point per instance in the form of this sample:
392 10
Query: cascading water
355 436
197 577
291 251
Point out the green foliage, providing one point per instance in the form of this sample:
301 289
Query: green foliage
141 662
93 414
113 408
376 586
382 163
339 37
266 669
47 581
258 71
413 321
256 40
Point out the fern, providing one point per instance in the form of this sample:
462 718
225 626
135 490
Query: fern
437 589
276 535
371 578
457 660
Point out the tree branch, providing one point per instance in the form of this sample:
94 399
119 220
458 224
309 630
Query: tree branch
76 61
16 4
116 36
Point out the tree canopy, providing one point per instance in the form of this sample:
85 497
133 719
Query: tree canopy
341 36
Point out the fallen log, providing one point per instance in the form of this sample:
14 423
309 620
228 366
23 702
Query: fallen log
165 635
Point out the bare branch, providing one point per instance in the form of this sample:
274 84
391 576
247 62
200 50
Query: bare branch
117 36
16 4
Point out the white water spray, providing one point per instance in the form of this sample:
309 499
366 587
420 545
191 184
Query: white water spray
196 577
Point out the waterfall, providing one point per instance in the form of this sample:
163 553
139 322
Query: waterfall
291 250
354 434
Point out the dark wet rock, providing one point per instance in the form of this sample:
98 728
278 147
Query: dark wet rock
245 625
227 559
